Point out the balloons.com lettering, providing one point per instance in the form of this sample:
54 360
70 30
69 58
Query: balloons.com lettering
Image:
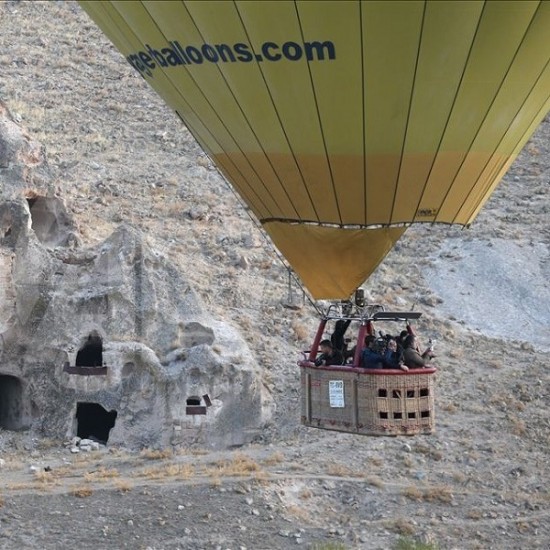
175 54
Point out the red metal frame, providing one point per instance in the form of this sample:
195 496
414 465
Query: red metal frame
375 372
363 331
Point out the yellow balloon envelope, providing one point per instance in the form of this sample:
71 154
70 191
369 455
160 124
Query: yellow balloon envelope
341 123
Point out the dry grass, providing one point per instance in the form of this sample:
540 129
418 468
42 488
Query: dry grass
305 493
87 458
518 427
181 471
532 149
298 512
413 493
524 527
262 477
376 461
375 481
239 465
449 407
119 453
215 481
341 470
123 485
102 473
439 494
474 513
276 458
156 454
301 333
187 471
506 401
82 492
428 451
46 479
459 477
20 486
407 543
433 494
12 464
48 443
160 472
403 526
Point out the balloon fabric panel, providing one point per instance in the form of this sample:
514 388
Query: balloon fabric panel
341 123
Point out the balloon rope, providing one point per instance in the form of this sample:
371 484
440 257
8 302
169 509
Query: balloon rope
272 247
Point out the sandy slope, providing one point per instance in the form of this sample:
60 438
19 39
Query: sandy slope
117 154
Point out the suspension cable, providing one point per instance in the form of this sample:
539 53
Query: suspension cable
263 233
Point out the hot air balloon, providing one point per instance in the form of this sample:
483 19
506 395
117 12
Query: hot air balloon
341 123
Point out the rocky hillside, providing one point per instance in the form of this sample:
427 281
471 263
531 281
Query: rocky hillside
117 155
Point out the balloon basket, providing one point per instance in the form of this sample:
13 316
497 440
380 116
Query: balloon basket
368 402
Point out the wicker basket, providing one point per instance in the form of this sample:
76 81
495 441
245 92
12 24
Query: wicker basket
369 402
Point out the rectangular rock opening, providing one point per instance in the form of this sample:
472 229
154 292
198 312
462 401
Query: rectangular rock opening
94 422
12 407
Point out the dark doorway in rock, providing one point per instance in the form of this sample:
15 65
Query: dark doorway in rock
94 422
91 353
12 410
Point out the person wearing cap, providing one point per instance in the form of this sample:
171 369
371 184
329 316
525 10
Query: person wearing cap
412 357
370 358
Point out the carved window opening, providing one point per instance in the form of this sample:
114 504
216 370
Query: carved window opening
94 421
91 353
197 405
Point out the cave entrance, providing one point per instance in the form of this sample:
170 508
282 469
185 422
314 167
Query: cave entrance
91 353
12 409
94 422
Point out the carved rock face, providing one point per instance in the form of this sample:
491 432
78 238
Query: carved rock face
148 326
22 159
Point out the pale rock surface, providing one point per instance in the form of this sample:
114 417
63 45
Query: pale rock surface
161 347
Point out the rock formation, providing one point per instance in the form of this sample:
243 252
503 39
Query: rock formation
161 370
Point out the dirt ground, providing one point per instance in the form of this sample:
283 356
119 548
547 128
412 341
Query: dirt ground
117 154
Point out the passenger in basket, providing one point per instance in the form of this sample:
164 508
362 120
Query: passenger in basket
393 358
370 358
329 355
337 337
412 357
401 340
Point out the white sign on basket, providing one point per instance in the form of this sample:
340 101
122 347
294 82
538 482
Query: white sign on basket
336 394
